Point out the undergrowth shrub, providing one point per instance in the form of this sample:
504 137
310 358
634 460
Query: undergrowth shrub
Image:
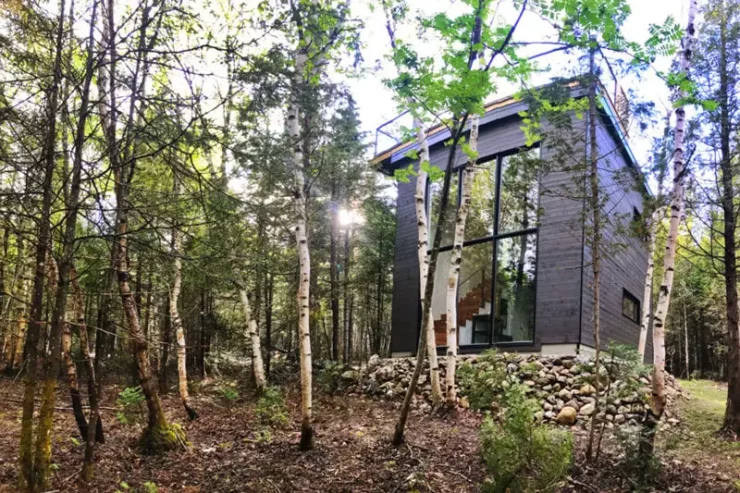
329 377
483 381
642 469
522 454
270 409
228 393
129 402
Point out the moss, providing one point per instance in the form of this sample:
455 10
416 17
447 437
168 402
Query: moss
163 438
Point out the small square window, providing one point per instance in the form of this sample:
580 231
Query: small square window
630 306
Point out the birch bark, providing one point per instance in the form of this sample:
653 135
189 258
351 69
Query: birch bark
456 262
304 255
422 249
658 400
182 370
258 367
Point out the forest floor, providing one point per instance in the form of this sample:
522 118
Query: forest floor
232 451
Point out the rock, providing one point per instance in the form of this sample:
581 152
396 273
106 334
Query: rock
529 383
567 416
384 373
373 362
587 410
565 394
547 406
620 418
587 389
623 410
611 409
573 403
568 363
464 403
351 375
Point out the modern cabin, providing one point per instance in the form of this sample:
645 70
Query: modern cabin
526 281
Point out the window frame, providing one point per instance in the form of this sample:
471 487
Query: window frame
495 237
626 295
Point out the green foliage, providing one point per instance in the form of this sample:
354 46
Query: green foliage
150 487
520 453
228 393
329 377
130 402
642 469
270 409
483 381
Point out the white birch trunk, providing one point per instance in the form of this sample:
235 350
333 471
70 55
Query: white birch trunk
456 261
258 368
423 248
304 256
648 293
176 321
677 203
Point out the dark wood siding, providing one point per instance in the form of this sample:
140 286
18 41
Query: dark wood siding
560 244
625 256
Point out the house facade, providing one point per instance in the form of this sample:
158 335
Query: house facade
526 282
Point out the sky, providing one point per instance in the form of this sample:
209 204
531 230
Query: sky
375 101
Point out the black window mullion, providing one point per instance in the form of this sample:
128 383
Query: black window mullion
494 261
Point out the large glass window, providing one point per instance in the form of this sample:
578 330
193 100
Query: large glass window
519 192
497 283
516 259
435 196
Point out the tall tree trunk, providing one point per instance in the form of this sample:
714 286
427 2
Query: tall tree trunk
28 469
658 398
159 435
686 341
427 326
347 297
304 256
456 261
595 206
268 324
334 274
426 313
647 296
258 368
166 343
94 422
731 423
182 371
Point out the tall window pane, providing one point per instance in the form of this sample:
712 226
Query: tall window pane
479 223
435 196
519 191
515 288
474 295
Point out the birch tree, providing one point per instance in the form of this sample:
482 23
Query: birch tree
652 223
319 30
175 320
393 13
258 366
658 397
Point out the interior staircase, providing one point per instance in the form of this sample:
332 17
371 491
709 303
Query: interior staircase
477 301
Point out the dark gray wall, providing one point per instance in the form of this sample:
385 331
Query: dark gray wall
625 256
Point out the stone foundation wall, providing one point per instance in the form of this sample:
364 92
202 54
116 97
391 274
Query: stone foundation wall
563 385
